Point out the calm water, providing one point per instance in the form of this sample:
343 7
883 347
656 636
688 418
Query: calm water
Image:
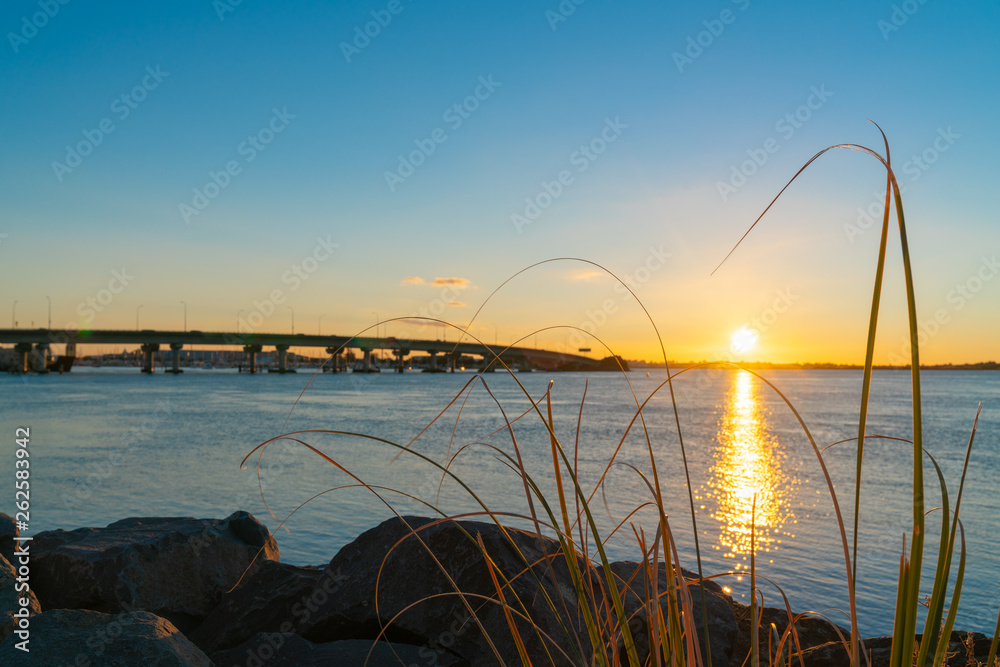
111 443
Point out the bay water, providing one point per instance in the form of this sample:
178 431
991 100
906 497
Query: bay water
111 443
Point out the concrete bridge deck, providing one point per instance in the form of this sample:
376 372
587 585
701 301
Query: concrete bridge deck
253 343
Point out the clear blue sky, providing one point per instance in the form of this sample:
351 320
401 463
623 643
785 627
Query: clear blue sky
676 118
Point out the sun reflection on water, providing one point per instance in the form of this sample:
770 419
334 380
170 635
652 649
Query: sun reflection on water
747 463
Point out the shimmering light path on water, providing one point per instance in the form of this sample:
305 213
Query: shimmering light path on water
748 486
111 443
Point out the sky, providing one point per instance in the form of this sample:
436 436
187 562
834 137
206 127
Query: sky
324 165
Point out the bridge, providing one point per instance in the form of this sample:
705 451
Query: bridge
149 341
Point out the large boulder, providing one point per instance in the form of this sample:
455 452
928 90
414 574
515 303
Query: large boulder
438 621
288 650
723 631
81 637
11 610
177 568
272 599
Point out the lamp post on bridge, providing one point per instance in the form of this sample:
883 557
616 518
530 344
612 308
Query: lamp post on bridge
137 317
185 316
293 319
376 323
13 310
319 324
50 313
238 313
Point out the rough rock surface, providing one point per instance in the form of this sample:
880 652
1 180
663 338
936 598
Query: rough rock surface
812 631
177 568
272 599
723 630
81 637
442 624
288 650
834 654
8 531
10 599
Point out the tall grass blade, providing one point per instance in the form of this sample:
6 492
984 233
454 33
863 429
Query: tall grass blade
866 381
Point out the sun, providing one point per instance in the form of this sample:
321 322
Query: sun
744 340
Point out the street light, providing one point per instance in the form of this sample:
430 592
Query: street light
319 324
185 316
376 323
137 317
50 313
13 309
293 319
238 313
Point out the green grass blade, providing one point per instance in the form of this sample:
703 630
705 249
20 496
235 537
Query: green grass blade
939 655
935 609
866 382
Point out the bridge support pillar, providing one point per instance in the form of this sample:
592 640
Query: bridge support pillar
251 352
334 353
175 358
282 358
367 359
434 360
452 362
22 357
400 354
147 356
43 353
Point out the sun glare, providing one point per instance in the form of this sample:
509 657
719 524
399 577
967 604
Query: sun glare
744 340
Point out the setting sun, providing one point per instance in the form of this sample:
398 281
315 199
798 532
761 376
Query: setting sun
744 340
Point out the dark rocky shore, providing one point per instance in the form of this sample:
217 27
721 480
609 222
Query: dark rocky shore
168 591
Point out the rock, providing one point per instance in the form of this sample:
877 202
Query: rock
8 531
271 599
442 624
812 631
177 568
288 650
960 645
81 637
10 600
722 626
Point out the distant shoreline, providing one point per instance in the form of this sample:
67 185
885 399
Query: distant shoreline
764 365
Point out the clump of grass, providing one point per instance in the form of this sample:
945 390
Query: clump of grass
605 633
